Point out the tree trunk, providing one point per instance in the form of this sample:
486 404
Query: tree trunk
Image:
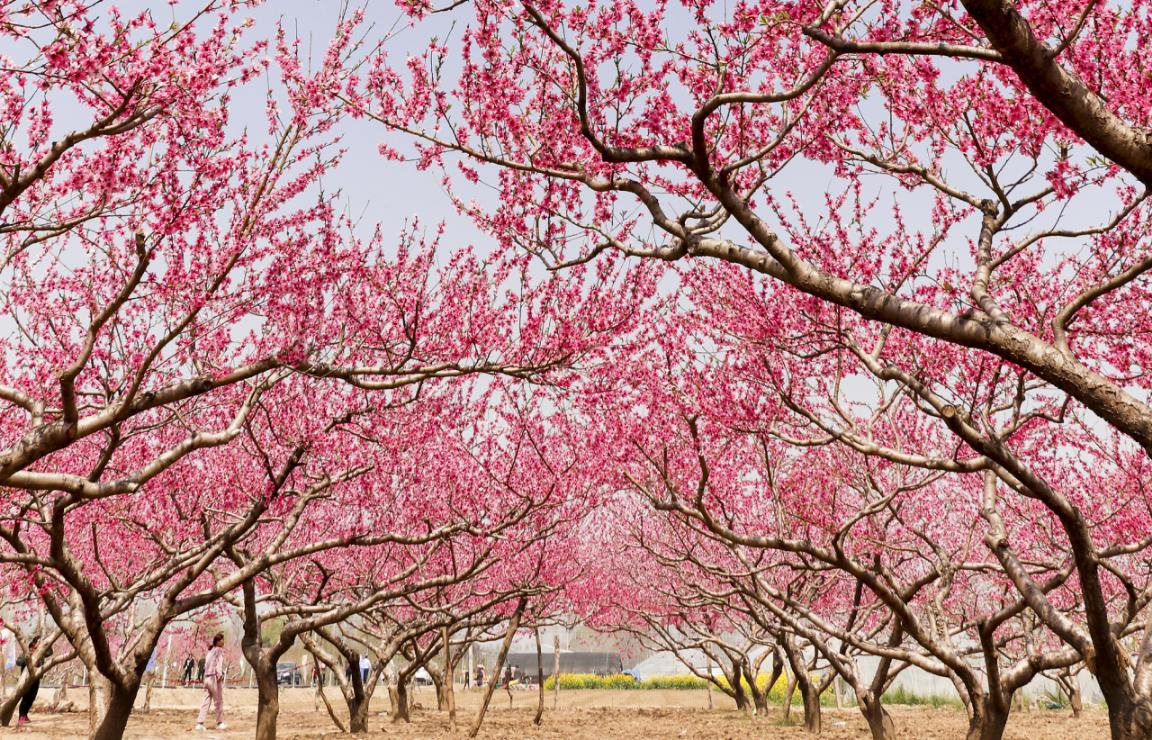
146 707
879 721
358 715
1074 698
732 685
555 671
789 692
540 681
760 701
357 697
400 706
441 695
759 698
708 683
812 718
267 699
99 690
808 690
117 709
513 624
988 718
777 671
1132 720
450 675
60 698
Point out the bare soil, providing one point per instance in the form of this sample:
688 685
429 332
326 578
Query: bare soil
581 715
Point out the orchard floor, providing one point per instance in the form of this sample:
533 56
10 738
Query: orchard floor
582 715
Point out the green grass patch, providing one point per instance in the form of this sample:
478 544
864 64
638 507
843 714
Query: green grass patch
904 696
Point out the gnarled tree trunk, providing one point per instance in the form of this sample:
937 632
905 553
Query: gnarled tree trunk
116 711
879 721
759 698
398 694
989 717
267 698
358 715
809 693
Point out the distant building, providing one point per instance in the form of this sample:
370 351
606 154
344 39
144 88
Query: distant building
602 664
667 663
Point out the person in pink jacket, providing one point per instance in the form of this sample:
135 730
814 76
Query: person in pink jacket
213 683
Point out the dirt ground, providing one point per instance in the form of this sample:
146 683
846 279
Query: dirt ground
582 715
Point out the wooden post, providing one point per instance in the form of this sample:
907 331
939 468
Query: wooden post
540 678
555 670
513 624
449 669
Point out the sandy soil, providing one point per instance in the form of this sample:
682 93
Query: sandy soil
582 715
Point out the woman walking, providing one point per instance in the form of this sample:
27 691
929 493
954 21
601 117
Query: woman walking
213 684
